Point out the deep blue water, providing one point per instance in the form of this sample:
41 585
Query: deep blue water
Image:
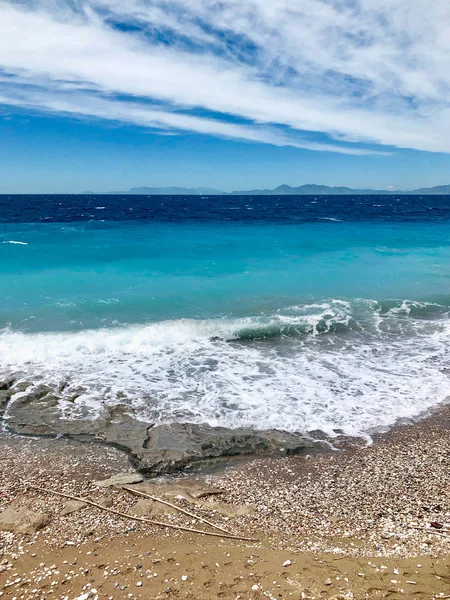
198 209
292 312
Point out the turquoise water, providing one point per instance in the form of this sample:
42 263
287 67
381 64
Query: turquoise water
71 277
313 324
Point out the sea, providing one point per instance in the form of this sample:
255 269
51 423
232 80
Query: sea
298 313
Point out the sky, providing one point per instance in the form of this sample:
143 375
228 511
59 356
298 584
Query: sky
236 94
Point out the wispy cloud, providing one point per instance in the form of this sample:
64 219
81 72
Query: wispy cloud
359 72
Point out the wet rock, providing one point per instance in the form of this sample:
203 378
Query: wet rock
6 384
119 480
34 411
152 450
172 447
4 399
23 520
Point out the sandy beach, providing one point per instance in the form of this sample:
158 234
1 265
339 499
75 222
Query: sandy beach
224 300
361 522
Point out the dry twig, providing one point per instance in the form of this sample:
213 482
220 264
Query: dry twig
140 519
443 532
182 510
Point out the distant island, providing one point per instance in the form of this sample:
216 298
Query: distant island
282 190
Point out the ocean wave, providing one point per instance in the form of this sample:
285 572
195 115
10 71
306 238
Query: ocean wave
224 372
15 242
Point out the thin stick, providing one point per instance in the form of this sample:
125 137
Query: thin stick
141 519
156 499
431 530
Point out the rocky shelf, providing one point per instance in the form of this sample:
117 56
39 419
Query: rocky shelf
153 449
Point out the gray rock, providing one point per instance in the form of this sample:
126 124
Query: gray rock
152 450
6 384
23 520
119 480
5 394
170 448
4 399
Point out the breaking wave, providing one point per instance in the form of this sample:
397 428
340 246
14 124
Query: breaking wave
331 365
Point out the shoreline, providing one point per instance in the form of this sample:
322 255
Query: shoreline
331 512
31 411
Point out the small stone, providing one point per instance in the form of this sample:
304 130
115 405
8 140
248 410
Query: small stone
120 479
328 582
72 506
105 502
184 577
287 563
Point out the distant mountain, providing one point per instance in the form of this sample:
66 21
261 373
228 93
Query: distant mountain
282 190
438 189
325 190
308 190
171 191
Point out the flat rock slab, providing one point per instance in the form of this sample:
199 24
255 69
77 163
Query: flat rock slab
72 506
23 520
191 492
119 480
153 450
173 447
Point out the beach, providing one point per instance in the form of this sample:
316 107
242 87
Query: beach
364 521
224 300
275 367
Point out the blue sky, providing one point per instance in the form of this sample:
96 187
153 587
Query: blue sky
110 94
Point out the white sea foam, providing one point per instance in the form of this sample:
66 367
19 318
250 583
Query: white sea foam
15 242
225 372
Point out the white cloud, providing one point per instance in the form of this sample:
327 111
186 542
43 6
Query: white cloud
83 105
373 71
